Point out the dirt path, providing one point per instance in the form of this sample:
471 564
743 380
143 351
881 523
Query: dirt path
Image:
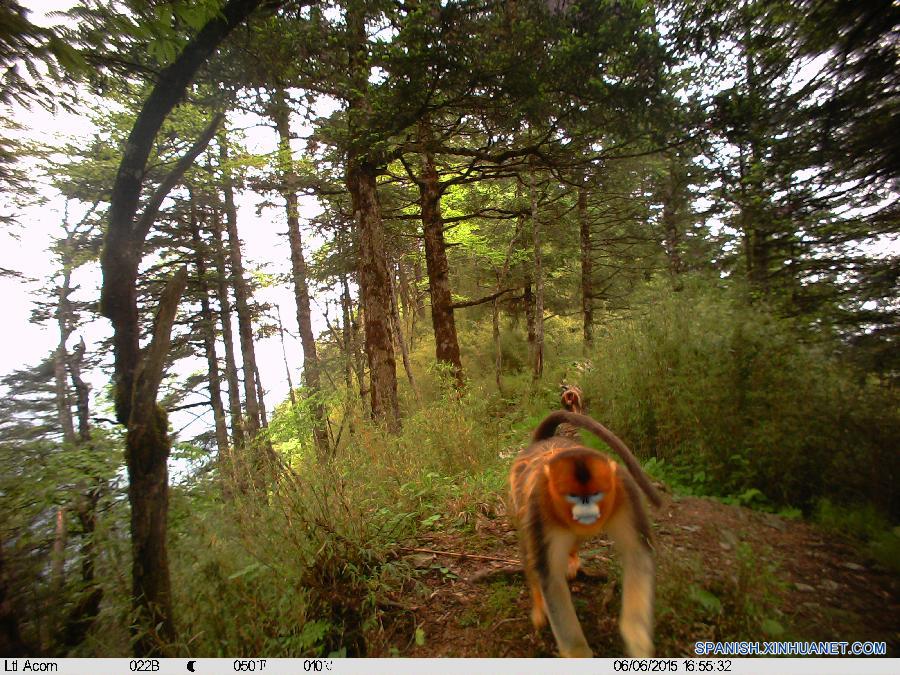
723 573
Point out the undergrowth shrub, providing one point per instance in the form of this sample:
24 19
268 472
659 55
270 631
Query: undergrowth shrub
729 397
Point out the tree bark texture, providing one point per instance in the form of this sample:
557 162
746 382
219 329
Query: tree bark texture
361 178
147 451
311 368
443 322
375 292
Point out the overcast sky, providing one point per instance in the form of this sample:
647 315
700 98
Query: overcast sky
24 344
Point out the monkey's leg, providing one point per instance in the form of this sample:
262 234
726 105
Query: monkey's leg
526 555
574 563
557 598
630 533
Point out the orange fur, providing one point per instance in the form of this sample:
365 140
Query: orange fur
548 482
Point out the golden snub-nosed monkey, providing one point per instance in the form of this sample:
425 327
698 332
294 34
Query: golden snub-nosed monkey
563 493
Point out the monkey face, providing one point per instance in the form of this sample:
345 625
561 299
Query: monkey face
582 488
571 398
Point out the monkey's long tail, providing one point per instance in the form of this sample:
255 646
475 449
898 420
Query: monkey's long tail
547 429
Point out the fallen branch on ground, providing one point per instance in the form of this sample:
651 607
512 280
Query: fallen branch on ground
454 554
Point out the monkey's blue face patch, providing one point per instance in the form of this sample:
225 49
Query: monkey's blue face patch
584 507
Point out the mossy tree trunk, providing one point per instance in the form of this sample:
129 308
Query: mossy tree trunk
137 373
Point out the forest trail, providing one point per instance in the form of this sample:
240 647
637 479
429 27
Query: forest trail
722 573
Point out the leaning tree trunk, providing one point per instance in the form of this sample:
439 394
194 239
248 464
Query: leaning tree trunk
260 396
137 373
311 368
446 343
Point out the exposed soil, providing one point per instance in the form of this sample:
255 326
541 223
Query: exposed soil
722 572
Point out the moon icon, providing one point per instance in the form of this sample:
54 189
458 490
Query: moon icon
190 665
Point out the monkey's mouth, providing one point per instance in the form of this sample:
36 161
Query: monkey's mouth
586 514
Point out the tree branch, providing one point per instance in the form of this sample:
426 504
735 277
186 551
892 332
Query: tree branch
174 176
481 301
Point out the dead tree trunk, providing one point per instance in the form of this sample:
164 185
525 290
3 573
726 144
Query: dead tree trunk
311 369
137 374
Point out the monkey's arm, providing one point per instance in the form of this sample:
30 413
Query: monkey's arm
557 597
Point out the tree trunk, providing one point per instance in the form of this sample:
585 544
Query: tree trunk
311 368
445 339
82 615
137 375
356 353
231 371
587 269
374 286
64 321
538 354
361 179
58 556
401 341
528 301
147 452
11 642
287 368
498 351
420 298
404 293
260 396
502 276
242 298
207 330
